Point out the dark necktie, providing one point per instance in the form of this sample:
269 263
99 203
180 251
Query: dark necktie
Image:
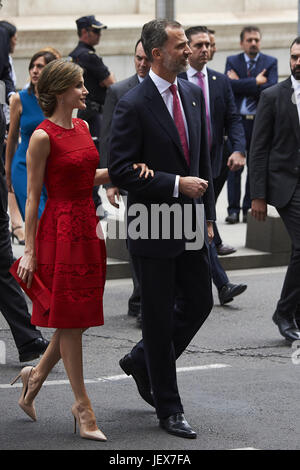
201 83
179 122
250 101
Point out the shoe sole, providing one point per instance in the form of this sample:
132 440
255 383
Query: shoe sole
177 434
29 357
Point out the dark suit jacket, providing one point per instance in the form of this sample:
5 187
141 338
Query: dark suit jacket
246 86
144 131
275 147
224 118
113 94
4 62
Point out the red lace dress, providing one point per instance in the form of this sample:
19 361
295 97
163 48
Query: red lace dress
71 257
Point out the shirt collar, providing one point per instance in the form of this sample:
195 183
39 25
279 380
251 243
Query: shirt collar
247 58
191 72
295 84
161 84
87 46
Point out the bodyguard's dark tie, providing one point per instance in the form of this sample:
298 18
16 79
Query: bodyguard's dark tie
179 122
250 101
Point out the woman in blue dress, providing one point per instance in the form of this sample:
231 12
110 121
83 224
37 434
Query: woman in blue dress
25 116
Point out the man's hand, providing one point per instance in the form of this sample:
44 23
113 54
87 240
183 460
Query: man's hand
210 231
260 78
232 75
192 186
113 195
236 161
259 209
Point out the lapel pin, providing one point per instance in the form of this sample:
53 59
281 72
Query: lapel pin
194 104
214 77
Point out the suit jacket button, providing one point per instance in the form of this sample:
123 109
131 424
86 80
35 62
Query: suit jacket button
296 168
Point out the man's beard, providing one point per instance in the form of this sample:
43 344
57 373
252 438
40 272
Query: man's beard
253 51
174 67
296 72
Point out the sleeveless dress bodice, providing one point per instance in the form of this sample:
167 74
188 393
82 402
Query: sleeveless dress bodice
70 248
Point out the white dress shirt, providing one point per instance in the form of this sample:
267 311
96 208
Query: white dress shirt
296 86
244 109
192 77
163 87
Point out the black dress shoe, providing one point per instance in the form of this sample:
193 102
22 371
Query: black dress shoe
229 291
33 350
287 326
178 426
224 249
140 376
233 218
245 218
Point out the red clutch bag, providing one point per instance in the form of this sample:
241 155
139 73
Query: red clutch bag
38 292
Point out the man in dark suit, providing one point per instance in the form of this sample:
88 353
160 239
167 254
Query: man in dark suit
222 119
113 95
162 123
250 73
28 339
274 179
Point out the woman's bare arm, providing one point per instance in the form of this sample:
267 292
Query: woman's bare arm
36 159
13 136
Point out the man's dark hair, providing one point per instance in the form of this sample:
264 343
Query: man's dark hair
296 41
195 30
137 43
211 31
249 29
10 28
154 35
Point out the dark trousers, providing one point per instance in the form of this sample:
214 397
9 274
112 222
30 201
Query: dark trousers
12 301
218 183
167 330
218 274
134 301
290 294
234 178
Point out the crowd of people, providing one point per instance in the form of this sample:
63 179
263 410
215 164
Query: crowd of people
172 134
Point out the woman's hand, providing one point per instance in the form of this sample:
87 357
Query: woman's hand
26 268
144 170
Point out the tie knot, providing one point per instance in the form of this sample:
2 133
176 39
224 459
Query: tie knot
173 89
200 74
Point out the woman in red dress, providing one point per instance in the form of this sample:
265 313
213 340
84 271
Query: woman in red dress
64 249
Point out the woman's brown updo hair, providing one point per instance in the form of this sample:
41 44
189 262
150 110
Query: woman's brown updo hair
55 79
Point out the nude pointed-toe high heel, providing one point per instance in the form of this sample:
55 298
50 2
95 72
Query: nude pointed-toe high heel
84 418
29 409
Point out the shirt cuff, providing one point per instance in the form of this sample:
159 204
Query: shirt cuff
176 187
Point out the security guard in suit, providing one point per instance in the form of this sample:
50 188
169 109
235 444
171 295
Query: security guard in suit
97 77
